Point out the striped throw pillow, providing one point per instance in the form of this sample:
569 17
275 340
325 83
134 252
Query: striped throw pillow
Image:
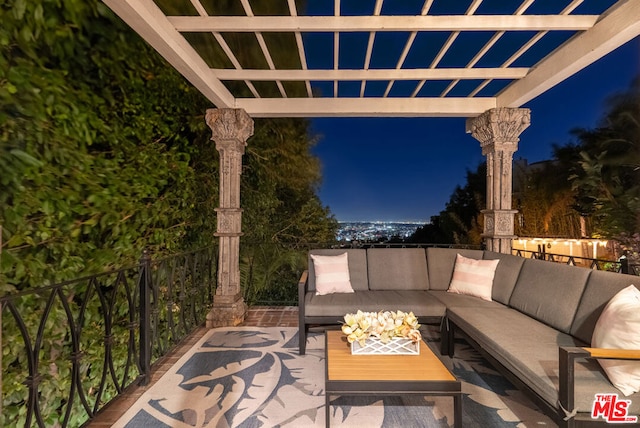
473 277
332 274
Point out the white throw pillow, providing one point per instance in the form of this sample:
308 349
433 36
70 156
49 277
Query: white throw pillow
332 274
619 328
473 277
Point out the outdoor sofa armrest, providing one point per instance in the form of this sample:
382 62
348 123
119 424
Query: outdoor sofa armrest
566 371
302 290
613 354
302 327
302 283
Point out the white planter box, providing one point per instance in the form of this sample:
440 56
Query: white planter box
397 346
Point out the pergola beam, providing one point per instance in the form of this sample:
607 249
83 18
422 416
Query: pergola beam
613 30
372 74
252 24
152 25
597 35
365 107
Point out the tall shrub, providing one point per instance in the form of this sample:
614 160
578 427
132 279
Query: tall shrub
96 144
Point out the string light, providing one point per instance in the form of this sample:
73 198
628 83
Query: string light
558 243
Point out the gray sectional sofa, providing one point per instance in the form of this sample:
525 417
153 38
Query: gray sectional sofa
536 329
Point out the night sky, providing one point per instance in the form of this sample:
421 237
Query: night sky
401 169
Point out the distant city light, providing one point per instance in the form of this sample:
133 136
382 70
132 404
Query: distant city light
376 230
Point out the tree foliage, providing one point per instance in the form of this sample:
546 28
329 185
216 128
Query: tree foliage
96 145
461 221
607 182
282 212
544 198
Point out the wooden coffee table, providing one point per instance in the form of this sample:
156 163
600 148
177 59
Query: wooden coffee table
422 374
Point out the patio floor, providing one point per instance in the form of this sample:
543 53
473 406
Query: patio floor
261 316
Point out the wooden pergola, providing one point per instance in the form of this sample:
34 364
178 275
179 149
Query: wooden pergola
479 59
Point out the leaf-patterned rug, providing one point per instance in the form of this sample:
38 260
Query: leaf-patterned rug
253 377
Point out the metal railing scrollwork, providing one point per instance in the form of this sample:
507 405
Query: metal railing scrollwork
70 348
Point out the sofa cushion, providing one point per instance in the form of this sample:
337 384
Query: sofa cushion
619 328
526 347
451 299
440 262
397 269
533 357
549 292
337 305
357 267
332 273
506 276
601 287
473 277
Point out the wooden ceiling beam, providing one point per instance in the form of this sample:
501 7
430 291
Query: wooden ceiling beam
365 107
372 74
252 24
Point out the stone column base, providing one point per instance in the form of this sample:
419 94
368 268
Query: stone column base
224 314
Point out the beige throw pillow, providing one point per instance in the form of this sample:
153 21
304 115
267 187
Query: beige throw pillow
332 274
473 277
619 328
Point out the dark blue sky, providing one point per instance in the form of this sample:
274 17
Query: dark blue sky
407 168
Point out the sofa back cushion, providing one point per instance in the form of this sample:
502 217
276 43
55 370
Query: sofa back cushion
506 275
357 259
440 262
601 287
549 292
397 269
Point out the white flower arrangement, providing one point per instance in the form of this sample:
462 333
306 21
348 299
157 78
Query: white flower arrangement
383 325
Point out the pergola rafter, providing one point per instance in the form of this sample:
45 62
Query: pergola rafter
373 74
510 83
291 4
333 24
616 27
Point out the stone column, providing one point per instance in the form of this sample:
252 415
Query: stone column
498 131
230 130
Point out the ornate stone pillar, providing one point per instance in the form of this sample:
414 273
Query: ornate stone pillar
498 131
230 130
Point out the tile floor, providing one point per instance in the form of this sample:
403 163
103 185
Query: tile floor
263 316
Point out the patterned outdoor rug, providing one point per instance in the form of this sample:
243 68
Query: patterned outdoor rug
254 377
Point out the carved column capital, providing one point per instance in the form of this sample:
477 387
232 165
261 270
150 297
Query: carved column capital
229 124
499 128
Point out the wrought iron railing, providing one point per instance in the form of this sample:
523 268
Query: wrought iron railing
70 348
620 266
